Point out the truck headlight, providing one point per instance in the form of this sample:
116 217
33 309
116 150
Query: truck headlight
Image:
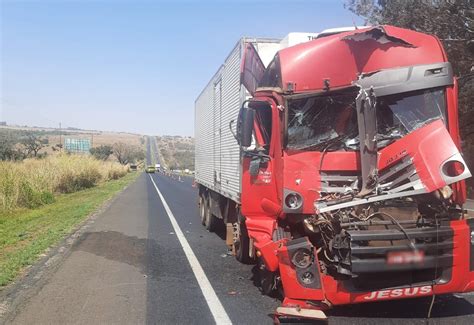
302 258
293 201
307 277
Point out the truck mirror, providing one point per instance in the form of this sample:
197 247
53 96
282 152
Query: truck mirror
254 166
245 126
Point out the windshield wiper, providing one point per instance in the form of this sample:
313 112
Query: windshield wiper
425 122
326 143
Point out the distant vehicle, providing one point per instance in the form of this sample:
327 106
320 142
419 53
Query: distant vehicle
157 166
150 169
336 167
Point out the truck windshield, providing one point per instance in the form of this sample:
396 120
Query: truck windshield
409 111
312 121
329 121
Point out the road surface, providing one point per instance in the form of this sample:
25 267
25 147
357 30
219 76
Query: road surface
147 259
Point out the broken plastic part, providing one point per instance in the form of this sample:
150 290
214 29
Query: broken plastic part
378 34
366 120
297 311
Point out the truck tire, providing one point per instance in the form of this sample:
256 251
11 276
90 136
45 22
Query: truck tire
269 282
202 208
242 242
210 221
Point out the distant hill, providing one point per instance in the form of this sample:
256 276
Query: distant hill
56 136
176 152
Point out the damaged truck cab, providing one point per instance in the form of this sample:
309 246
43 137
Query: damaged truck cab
352 180
352 189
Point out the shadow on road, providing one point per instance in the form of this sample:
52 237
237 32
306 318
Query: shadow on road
114 246
138 252
135 251
445 306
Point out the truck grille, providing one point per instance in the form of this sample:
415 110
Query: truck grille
369 248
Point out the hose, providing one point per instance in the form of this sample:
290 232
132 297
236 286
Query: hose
395 222
435 273
433 297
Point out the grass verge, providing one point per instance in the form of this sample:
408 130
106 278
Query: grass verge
25 234
34 182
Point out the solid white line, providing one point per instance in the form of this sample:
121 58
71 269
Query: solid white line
217 310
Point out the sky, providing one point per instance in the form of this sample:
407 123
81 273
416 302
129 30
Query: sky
132 65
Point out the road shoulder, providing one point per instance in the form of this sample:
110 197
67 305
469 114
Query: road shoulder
33 278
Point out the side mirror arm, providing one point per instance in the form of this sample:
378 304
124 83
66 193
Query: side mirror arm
232 131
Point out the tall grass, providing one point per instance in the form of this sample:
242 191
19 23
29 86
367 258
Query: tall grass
34 182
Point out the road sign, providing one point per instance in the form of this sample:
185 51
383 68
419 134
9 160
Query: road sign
77 145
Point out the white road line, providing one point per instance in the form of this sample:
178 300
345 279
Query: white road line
217 310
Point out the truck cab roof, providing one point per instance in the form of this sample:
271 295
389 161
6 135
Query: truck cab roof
316 65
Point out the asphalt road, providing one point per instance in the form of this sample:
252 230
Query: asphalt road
147 259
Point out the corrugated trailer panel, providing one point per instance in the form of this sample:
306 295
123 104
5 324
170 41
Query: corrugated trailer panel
217 107
230 151
204 134
217 154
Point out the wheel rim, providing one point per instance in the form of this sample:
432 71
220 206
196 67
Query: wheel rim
207 217
238 240
202 211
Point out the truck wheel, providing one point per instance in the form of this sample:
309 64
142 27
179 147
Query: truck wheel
209 221
202 209
268 280
242 242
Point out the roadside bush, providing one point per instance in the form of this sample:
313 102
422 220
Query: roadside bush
101 152
116 173
30 198
34 182
72 181
8 189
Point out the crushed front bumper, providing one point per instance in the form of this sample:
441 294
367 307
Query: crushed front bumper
456 264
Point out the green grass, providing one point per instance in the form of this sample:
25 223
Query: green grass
25 234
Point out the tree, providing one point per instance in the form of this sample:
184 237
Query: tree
101 152
8 150
126 153
33 144
452 21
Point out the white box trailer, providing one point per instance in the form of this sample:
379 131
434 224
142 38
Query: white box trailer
217 154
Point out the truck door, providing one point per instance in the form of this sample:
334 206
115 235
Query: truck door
217 103
259 185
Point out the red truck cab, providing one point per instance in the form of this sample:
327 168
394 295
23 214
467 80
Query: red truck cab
352 177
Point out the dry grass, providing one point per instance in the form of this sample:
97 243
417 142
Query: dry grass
34 182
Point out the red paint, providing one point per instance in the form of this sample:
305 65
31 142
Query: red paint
307 65
343 61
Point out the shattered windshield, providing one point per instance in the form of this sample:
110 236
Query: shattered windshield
329 121
312 121
409 111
